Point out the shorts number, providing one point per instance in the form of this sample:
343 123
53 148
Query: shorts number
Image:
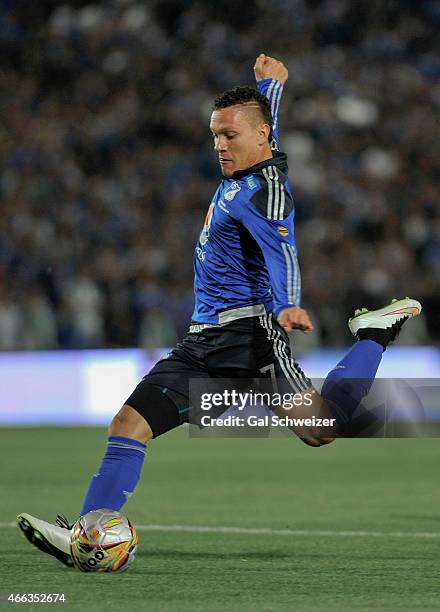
271 369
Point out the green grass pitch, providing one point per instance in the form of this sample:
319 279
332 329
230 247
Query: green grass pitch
387 489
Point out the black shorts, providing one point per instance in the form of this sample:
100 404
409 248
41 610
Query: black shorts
241 349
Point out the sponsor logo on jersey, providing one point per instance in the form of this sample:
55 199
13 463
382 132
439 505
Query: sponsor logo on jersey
251 182
283 231
201 254
231 192
205 231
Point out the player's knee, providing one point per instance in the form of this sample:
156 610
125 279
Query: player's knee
317 442
130 424
325 441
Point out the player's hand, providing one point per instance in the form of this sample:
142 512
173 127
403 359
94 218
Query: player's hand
270 68
295 318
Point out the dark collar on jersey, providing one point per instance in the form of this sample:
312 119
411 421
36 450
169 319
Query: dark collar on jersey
278 159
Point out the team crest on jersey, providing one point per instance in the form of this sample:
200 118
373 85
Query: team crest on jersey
251 183
231 192
283 231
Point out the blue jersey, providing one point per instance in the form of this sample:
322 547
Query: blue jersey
246 254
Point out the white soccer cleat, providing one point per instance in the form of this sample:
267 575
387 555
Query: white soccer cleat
389 319
51 539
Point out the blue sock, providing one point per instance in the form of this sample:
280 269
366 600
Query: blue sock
351 379
118 475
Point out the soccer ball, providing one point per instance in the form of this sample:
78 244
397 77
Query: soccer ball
103 541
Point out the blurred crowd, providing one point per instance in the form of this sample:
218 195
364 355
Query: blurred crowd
107 166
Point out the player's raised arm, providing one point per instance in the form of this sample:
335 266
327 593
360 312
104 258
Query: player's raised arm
271 75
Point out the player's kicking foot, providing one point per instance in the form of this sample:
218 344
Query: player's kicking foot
383 325
49 538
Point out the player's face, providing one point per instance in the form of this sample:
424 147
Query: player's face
239 140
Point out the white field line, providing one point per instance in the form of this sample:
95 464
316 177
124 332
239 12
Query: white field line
277 532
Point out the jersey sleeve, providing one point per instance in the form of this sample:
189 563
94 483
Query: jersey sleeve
274 233
273 90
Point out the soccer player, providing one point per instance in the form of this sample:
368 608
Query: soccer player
247 295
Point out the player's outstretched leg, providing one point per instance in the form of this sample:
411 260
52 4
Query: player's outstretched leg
109 488
351 380
129 431
121 465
